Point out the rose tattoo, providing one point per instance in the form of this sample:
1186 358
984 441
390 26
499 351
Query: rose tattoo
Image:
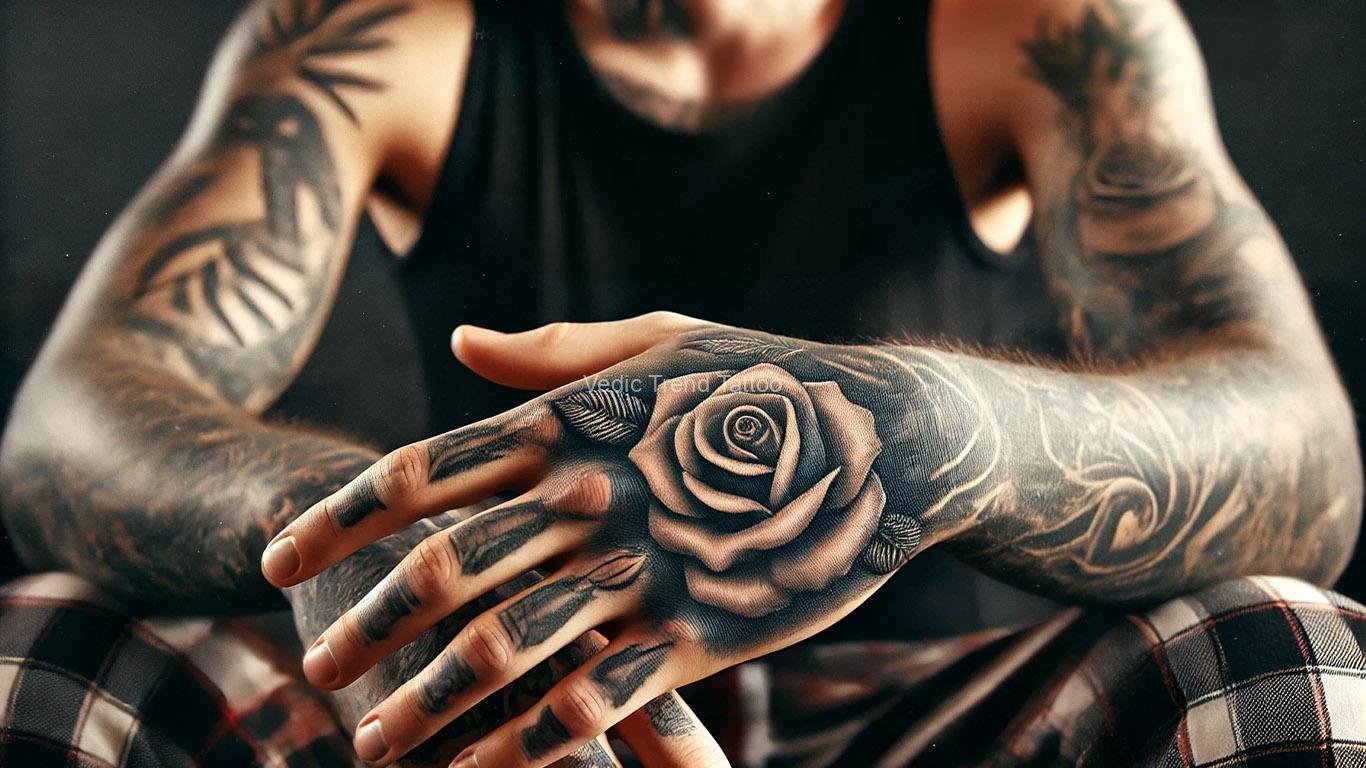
764 484
700 503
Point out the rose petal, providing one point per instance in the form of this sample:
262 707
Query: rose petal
801 460
720 500
711 416
750 596
850 438
721 550
768 443
684 536
676 396
653 456
701 440
813 565
685 449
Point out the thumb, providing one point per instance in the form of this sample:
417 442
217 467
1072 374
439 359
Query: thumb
556 354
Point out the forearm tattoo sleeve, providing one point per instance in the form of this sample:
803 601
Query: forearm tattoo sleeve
135 460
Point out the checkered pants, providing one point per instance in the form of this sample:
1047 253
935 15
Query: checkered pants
1259 671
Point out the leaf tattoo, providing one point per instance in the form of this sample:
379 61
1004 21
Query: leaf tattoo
772 351
605 415
896 540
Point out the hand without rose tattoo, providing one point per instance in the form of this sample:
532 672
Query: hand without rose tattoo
767 485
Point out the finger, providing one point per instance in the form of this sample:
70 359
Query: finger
419 480
498 647
595 754
596 696
665 733
557 354
446 571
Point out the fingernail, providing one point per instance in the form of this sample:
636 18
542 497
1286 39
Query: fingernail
369 742
281 559
457 338
467 759
320 666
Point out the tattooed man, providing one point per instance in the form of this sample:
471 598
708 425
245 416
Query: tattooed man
1132 409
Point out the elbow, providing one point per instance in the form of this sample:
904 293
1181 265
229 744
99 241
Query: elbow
1345 512
31 462
1333 490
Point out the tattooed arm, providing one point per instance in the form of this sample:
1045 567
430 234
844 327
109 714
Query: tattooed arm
1200 431
135 455
718 493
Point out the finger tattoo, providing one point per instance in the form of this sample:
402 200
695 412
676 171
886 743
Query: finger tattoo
360 505
452 677
534 618
547 733
621 674
667 718
466 449
492 536
393 603
592 755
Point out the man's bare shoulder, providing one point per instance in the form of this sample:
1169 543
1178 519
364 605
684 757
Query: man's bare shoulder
393 69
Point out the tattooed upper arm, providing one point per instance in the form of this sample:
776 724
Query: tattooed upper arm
1148 238
222 271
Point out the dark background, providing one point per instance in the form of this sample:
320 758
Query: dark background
93 93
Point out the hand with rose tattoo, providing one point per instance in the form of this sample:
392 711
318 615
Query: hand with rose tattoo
711 499
701 495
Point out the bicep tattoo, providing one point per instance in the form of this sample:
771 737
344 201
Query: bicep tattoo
240 297
1141 246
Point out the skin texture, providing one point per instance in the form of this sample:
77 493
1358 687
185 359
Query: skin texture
770 484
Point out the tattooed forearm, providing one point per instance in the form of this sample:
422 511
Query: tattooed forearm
133 456
163 496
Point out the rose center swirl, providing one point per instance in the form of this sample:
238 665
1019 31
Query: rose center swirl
751 433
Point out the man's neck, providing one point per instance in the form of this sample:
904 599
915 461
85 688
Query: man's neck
690 64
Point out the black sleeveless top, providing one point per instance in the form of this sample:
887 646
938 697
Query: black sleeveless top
829 213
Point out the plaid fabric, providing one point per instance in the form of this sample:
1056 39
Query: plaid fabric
83 684
1253 672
